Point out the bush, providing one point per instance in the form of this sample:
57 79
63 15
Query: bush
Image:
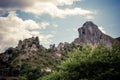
89 63
30 73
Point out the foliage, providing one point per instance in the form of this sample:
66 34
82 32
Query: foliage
89 63
29 72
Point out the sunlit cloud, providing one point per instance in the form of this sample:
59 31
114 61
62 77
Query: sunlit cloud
13 29
49 7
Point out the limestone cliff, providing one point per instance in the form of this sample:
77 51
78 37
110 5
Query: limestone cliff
89 33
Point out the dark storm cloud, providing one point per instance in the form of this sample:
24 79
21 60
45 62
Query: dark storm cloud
14 3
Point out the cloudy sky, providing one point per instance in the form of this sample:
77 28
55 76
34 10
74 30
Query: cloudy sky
54 21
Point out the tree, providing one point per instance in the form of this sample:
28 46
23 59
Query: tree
89 63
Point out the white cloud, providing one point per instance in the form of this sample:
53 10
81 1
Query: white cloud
50 7
88 17
102 29
13 29
52 10
44 25
65 2
54 25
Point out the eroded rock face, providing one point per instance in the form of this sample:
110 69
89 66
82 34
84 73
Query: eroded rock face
30 43
27 46
12 59
89 33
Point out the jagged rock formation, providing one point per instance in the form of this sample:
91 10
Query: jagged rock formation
29 51
58 51
64 46
27 46
89 33
61 47
13 58
31 43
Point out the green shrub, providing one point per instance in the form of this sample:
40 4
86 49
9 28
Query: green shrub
89 63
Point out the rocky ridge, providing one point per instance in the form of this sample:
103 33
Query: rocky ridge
30 50
27 47
89 33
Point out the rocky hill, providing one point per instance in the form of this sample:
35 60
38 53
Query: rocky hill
89 33
26 47
31 52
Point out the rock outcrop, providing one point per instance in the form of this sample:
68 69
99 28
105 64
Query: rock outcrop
30 43
26 47
89 33
29 51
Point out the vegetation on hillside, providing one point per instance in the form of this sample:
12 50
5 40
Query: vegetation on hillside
89 63
82 63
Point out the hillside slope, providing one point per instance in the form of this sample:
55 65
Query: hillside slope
30 60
